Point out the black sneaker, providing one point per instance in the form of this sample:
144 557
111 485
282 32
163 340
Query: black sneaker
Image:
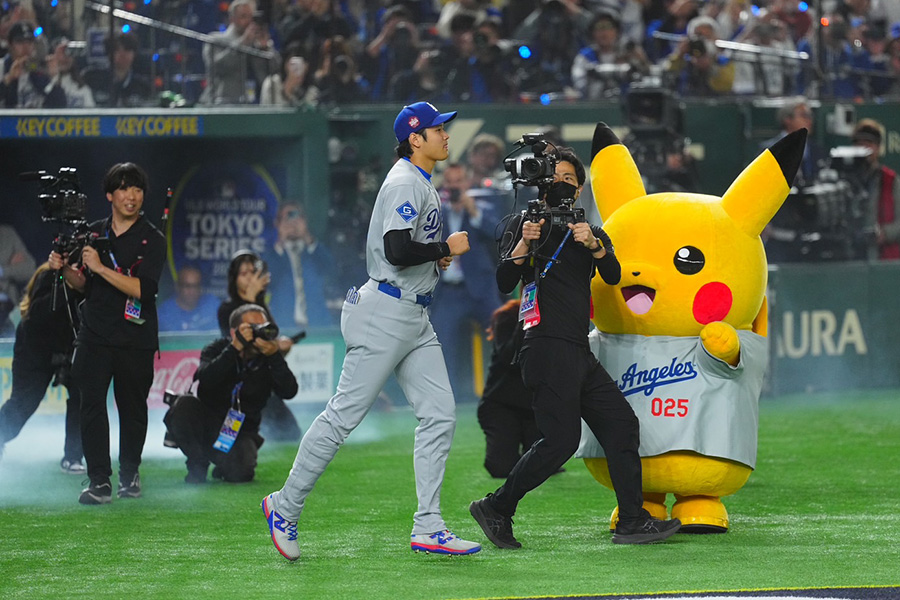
497 527
169 440
651 530
196 474
96 494
129 488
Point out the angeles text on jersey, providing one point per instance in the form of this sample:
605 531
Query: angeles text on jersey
635 380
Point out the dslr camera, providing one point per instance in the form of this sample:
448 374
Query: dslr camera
267 331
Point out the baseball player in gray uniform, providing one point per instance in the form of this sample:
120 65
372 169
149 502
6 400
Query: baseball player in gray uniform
386 329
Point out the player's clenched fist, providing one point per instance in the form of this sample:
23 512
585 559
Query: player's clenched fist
458 242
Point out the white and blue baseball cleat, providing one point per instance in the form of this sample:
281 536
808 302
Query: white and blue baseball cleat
283 532
442 542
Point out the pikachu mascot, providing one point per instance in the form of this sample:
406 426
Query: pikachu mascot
683 333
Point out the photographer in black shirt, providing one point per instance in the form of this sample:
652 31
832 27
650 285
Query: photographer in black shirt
235 374
42 353
504 411
119 273
556 262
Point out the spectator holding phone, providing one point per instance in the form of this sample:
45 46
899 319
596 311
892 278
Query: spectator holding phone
290 86
24 83
233 76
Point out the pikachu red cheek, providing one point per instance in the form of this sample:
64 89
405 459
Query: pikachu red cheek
712 302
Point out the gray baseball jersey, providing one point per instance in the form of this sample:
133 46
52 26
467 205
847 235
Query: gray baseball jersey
684 398
407 200
385 333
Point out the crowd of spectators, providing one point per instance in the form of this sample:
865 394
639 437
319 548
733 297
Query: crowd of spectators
324 52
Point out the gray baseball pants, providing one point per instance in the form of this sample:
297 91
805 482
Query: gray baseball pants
383 335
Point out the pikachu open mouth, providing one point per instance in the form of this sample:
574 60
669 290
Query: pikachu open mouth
638 298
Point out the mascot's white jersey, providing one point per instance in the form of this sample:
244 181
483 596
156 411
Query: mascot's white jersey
679 393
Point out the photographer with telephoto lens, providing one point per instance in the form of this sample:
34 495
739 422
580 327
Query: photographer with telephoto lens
236 376
555 255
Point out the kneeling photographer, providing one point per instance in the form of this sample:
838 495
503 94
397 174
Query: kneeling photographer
236 376
555 253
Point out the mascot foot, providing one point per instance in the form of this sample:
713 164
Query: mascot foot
700 514
655 504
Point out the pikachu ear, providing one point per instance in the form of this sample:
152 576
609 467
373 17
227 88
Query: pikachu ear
615 178
760 190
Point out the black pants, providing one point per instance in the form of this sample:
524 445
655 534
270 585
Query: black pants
569 385
32 372
509 431
131 373
194 427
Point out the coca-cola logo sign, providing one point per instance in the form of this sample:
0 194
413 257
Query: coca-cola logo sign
173 370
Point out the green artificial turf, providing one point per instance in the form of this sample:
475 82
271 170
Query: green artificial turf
822 509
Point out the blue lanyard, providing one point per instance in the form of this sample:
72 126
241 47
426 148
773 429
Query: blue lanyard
115 264
111 255
552 260
235 395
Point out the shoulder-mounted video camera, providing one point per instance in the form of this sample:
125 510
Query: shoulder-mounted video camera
825 219
539 169
535 169
63 202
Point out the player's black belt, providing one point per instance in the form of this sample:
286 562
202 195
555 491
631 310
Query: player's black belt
423 299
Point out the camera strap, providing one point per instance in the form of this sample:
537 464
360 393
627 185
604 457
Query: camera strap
552 260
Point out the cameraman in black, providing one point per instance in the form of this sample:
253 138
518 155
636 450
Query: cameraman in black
43 349
118 270
235 375
881 215
556 260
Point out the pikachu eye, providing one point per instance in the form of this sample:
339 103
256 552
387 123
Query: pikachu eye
689 260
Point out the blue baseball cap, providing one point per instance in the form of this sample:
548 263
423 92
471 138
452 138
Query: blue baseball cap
417 117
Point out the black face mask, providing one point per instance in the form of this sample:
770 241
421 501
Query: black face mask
560 191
